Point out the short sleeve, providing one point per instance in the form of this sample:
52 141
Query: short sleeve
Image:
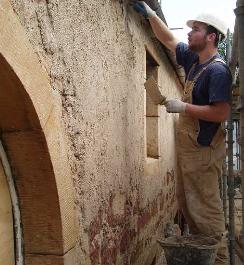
220 84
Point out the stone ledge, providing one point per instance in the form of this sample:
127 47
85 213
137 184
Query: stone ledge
70 258
151 167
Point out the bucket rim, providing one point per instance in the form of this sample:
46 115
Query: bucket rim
167 244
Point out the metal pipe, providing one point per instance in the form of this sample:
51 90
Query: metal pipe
238 145
234 51
19 246
239 11
231 191
175 28
225 164
235 145
224 191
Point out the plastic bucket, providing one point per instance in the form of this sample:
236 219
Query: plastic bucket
189 250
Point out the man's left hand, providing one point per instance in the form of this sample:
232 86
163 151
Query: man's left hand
143 9
175 106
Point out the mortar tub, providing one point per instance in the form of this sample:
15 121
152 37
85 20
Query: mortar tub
189 250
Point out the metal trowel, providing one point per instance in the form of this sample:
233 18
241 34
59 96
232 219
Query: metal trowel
154 92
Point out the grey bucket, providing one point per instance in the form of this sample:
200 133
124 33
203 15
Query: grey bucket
189 250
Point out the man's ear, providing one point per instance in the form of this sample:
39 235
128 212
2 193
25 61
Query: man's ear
211 37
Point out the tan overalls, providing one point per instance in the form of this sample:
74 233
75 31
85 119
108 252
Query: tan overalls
199 168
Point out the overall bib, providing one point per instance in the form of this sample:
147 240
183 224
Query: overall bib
199 168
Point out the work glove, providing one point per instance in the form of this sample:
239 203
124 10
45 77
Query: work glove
175 106
143 9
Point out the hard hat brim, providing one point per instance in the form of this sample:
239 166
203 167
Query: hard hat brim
190 23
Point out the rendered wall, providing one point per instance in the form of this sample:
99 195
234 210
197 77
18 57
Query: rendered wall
95 55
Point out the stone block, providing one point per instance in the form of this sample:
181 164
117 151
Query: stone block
70 258
36 187
152 136
151 167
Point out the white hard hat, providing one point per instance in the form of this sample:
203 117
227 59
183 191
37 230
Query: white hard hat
210 20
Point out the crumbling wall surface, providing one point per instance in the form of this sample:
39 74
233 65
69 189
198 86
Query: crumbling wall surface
94 52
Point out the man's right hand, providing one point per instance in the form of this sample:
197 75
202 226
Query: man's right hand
143 9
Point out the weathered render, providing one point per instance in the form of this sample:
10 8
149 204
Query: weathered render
95 130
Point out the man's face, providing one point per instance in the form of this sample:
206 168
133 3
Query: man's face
197 37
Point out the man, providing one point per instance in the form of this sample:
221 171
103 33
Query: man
204 105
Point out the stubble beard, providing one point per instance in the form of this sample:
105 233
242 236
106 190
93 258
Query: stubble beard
199 46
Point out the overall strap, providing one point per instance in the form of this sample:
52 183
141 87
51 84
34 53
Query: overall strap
213 60
220 60
191 69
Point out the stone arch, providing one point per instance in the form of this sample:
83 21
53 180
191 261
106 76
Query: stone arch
34 142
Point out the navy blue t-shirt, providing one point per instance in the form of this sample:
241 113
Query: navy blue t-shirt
212 86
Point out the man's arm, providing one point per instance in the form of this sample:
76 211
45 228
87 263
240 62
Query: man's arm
218 112
163 34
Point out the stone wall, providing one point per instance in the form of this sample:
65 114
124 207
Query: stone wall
95 55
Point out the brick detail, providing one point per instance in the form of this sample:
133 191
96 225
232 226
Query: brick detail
112 235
